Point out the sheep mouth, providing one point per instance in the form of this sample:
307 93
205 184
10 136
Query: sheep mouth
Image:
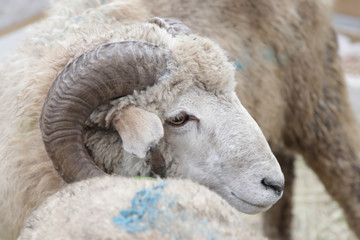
251 204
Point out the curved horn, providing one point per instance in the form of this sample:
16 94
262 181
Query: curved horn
109 71
172 26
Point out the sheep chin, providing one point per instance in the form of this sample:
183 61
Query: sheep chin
245 206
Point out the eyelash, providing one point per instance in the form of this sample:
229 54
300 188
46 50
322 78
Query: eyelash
181 119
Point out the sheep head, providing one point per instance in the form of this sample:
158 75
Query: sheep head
219 145
177 95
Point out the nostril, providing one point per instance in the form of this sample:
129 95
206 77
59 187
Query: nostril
275 186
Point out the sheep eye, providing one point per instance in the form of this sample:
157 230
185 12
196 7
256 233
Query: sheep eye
179 119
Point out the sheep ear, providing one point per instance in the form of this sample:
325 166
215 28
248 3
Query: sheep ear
138 129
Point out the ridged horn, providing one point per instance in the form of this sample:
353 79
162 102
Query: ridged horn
112 70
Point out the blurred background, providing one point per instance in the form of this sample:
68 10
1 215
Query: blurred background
317 216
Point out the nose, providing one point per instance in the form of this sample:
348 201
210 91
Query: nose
276 186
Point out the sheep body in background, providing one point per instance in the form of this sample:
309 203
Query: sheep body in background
102 208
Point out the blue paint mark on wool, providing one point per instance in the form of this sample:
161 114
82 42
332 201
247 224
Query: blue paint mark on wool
143 207
269 54
153 209
239 65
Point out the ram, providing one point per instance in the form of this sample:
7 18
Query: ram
145 209
128 97
288 77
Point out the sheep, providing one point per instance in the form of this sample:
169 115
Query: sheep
287 71
169 101
102 208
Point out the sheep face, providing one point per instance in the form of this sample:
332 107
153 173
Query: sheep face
213 140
